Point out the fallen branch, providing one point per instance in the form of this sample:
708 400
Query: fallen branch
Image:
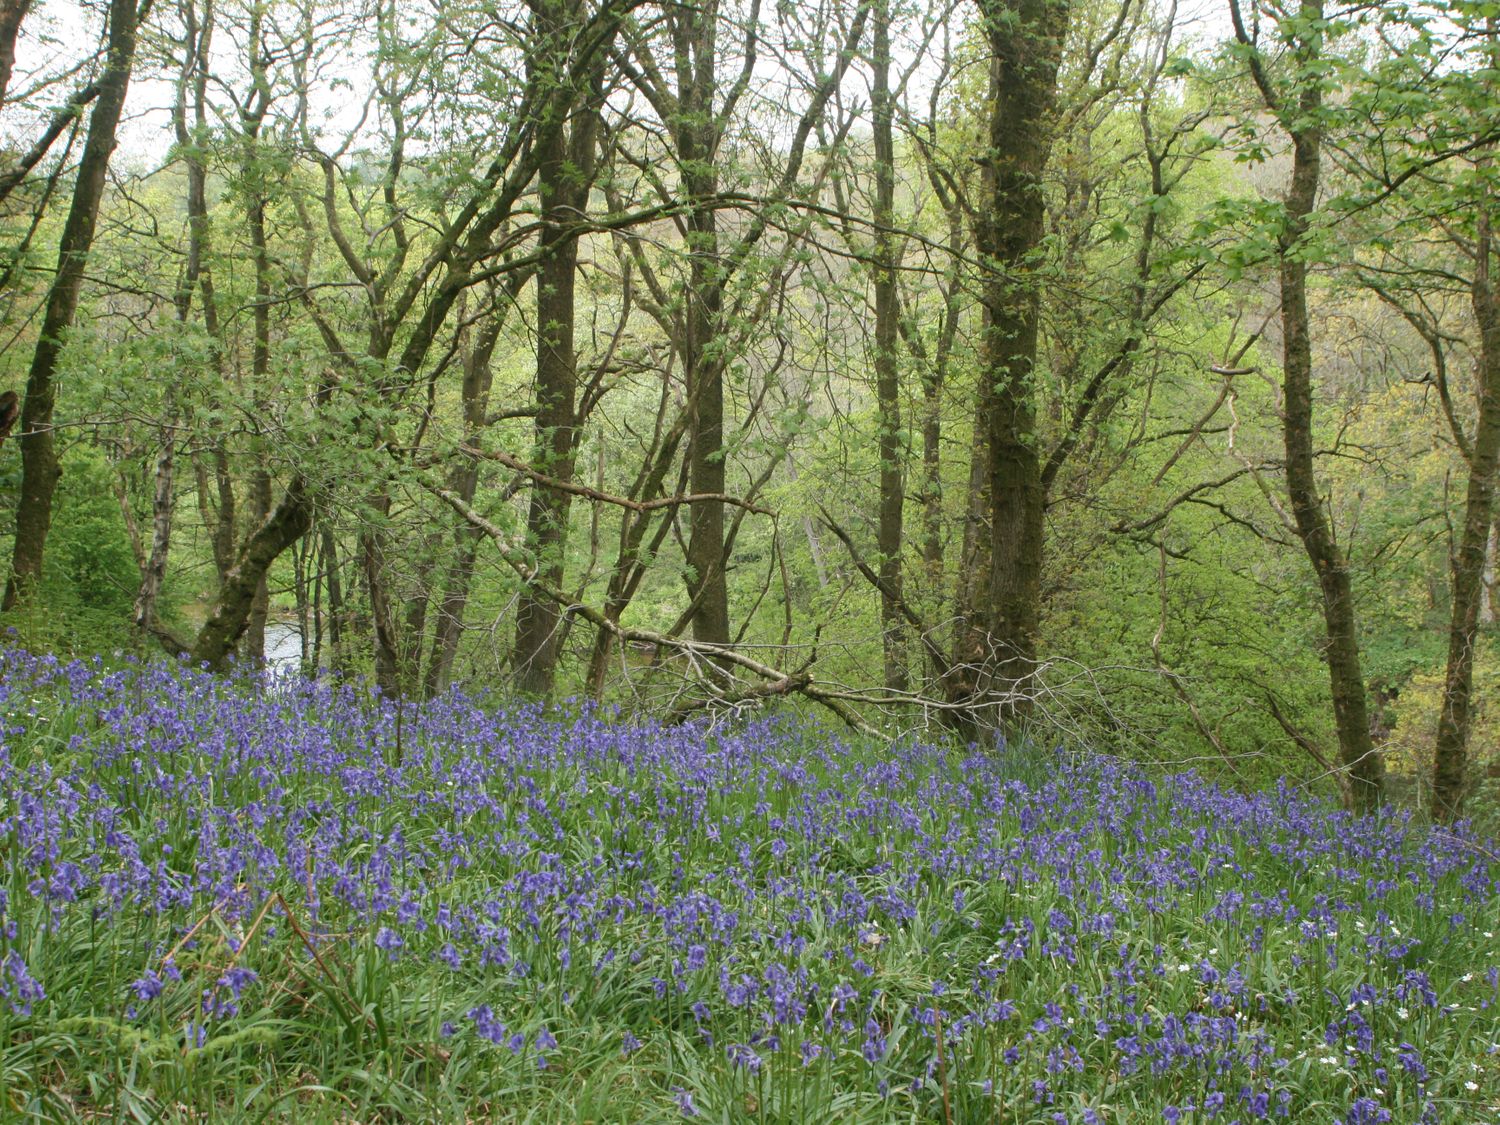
1307 746
934 653
511 461
695 650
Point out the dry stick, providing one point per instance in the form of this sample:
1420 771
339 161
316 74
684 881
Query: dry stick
198 925
255 925
308 942
935 654
291 918
1207 416
1227 370
1307 745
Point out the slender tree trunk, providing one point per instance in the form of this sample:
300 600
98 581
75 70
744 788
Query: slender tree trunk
1487 589
227 511
254 641
191 88
1450 756
563 180
932 476
464 480
333 581
630 565
154 573
40 469
302 556
973 580
998 618
450 622
1357 752
372 559
887 380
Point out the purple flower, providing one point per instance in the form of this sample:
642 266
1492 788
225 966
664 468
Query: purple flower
148 986
388 940
18 986
486 1025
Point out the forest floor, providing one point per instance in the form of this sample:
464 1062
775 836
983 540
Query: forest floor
229 900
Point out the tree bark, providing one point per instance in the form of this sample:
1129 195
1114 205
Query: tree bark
887 378
708 584
1358 757
154 572
564 176
40 469
333 581
372 558
12 12
1450 753
230 614
478 375
999 618
191 87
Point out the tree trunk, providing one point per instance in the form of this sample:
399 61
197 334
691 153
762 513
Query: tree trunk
230 614
12 12
464 481
253 642
998 618
1357 753
1487 591
334 584
887 382
372 559
40 469
973 580
154 573
302 559
192 86
1450 755
697 133
708 584
450 621
630 565
564 176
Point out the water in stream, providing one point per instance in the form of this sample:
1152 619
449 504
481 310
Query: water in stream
283 647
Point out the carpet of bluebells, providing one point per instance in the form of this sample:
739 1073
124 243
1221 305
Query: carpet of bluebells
284 901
